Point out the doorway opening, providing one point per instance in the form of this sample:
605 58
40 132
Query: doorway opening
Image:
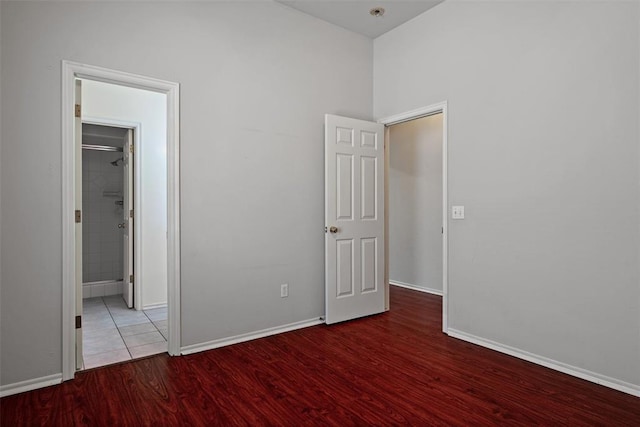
357 214
115 328
416 202
103 210
106 308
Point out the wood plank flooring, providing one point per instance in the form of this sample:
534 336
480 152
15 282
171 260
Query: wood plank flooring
392 369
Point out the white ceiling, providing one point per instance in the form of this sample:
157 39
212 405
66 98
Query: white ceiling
354 14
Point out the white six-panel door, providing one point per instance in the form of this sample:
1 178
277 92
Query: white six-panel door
354 218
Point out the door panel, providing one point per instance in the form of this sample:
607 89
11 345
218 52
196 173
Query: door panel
344 273
369 262
344 187
369 192
129 215
354 215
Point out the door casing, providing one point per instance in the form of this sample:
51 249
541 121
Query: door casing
71 71
440 107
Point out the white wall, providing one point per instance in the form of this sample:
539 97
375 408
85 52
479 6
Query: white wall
256 80
415 203
112 102
543 152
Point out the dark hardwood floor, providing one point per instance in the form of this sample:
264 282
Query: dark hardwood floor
392 369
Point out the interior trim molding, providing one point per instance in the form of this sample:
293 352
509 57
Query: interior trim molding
418 113
223 342
154 306
574 371
28 385
416 288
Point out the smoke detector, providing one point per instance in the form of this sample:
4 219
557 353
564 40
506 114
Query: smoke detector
378 12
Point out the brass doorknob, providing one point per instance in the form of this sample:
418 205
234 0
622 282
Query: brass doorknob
333 229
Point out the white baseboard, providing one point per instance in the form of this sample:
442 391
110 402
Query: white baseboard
28 385
152 306
210 345
104 288
415 288
584 374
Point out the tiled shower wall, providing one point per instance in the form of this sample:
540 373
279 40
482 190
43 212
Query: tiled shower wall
102 240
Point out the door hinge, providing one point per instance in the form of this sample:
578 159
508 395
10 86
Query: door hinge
78 216
131 148
131 278
78 322
131 213
78 110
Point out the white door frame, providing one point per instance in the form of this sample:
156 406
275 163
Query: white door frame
440 107
137 190
71 71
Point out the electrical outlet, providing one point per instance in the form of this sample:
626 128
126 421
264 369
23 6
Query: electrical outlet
284 290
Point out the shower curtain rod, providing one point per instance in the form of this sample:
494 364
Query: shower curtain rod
100 147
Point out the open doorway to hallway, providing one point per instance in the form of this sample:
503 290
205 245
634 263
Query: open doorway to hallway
416 203
357 189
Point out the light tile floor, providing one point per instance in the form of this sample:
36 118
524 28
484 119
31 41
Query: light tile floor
114 333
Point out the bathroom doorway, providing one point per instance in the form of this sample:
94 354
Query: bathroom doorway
103 210
100 96
114 331
124 288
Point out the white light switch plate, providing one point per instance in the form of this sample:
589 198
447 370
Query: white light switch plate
457 212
